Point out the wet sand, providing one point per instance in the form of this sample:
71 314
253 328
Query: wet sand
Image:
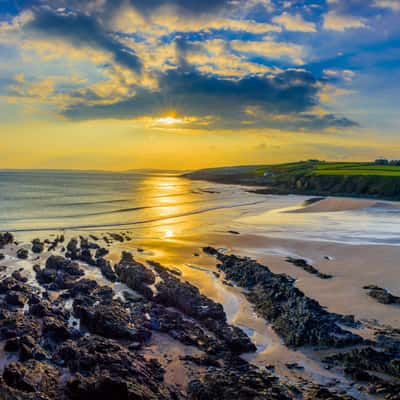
335 204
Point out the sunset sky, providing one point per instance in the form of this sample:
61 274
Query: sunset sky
121 84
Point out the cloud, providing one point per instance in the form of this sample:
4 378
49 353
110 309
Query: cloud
82 31
285 100
392 4
271 49
336 22
294 23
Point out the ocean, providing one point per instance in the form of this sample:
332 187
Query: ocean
157 204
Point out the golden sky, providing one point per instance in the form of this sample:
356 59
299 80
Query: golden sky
128 84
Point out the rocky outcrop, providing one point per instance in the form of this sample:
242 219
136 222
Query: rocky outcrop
59 273
102 368
382 295
35 379
5 239
299 320
22 254
301 263
135 275
37 246
242 382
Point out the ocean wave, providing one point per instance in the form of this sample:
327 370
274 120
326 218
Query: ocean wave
132 223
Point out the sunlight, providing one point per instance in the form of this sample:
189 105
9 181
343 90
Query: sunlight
169 121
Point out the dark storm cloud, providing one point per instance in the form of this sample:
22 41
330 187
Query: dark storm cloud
108 7
250 101
82 30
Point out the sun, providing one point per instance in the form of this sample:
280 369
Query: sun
169 120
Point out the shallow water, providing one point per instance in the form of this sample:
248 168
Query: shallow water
162 204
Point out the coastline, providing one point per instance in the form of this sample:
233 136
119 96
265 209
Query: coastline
259 185
184 254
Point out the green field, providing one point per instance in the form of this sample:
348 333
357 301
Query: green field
330 168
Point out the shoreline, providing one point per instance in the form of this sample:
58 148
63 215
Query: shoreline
180 254
271 190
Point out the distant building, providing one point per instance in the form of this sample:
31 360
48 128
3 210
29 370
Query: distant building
268 174
394 162
381 161
314 161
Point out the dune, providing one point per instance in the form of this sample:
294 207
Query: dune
332 204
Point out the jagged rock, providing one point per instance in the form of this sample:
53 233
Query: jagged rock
135 275
60 273
32 377
244 383
106 269
104 369
298 319
111 321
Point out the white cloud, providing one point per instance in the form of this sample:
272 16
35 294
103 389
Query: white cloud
333 21
268 48
294 23
392 4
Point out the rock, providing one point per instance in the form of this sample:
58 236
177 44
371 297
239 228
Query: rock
19 277
2 256
101 252
56 328
382 295
135 275
369 359
22 254
117 237
299 320
245 383
16 298
102 369
33 377
106 269
171 292
110 321
5 239
37 246
72 249
301 263
60 273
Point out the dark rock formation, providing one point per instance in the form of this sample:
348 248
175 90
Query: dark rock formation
135 275
37 246
299 262
103 369
299 320
382 295
59 273
5 239
33 378
245 383
22 254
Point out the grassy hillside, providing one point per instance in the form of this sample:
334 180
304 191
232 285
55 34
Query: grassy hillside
321 178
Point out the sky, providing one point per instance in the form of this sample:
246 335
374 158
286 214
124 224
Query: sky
184 84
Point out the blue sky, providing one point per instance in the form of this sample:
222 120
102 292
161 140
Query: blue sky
326 71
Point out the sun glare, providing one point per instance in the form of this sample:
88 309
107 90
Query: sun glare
169 121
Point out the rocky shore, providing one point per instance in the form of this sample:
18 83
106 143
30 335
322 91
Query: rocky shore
66 334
